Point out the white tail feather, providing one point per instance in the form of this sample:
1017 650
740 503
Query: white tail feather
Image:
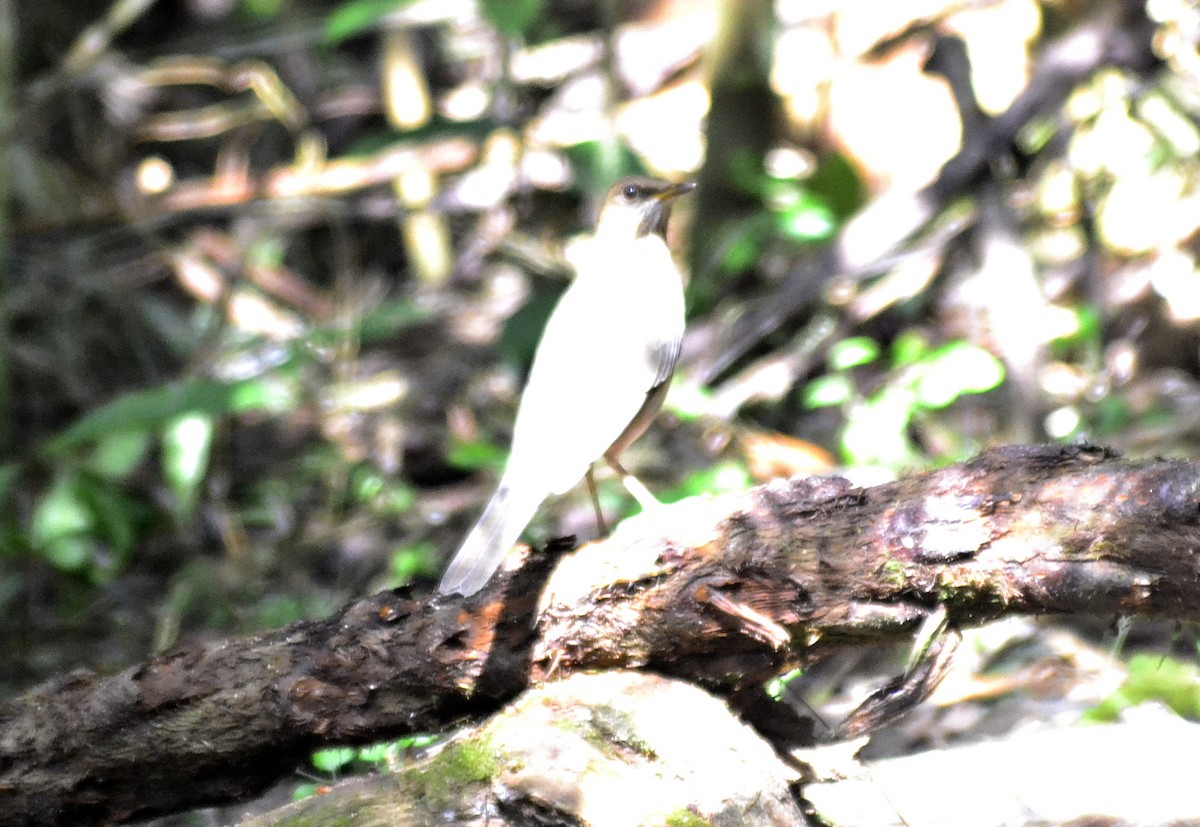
502 521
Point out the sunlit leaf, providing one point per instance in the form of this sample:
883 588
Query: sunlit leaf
278 610
332 760
118 455
777 685
852 352
1154 677
376 753
955 369
721 478
116 518
909 348
689 400
807 221
827 391
876 431
304 791
473 455
187 444
61 527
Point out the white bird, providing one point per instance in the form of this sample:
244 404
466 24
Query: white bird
599 375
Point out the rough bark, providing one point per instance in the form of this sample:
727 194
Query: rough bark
724 592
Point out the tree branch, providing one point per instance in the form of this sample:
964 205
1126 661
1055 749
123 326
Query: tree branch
724 592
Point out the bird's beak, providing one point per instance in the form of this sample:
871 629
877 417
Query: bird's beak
674 191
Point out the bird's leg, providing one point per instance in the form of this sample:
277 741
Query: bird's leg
633 485
591 483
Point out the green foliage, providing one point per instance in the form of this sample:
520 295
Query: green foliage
86 522
853 352
720 478
778 685
333 760
339 761
278 610
922 379
157 408
262 9
795 213
838 185
689 400
85 525
386 497
598 163
523 330
187 444
474 455
742 243
356 17
411 561
1166 680
512 18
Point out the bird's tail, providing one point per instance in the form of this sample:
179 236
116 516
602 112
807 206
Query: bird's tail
503 520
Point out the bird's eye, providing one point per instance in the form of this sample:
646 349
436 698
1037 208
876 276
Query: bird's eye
630 191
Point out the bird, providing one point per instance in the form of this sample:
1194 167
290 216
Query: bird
599 374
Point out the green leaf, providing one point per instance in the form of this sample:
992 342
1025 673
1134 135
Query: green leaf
723 477
876 431
412 561
155 409
376 753
304 791
809 220
262 9
117 455
116 518
1154 677
358 16
689 400
776 686
909 348
837 182
598 163
852 352
389 318
278 610
62 524
187 446
955 369
827 391
512 18
742 243
332 760
474 455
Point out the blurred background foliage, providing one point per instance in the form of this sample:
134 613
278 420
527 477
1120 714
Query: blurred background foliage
271 270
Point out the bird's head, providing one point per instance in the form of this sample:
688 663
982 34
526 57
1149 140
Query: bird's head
638 206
